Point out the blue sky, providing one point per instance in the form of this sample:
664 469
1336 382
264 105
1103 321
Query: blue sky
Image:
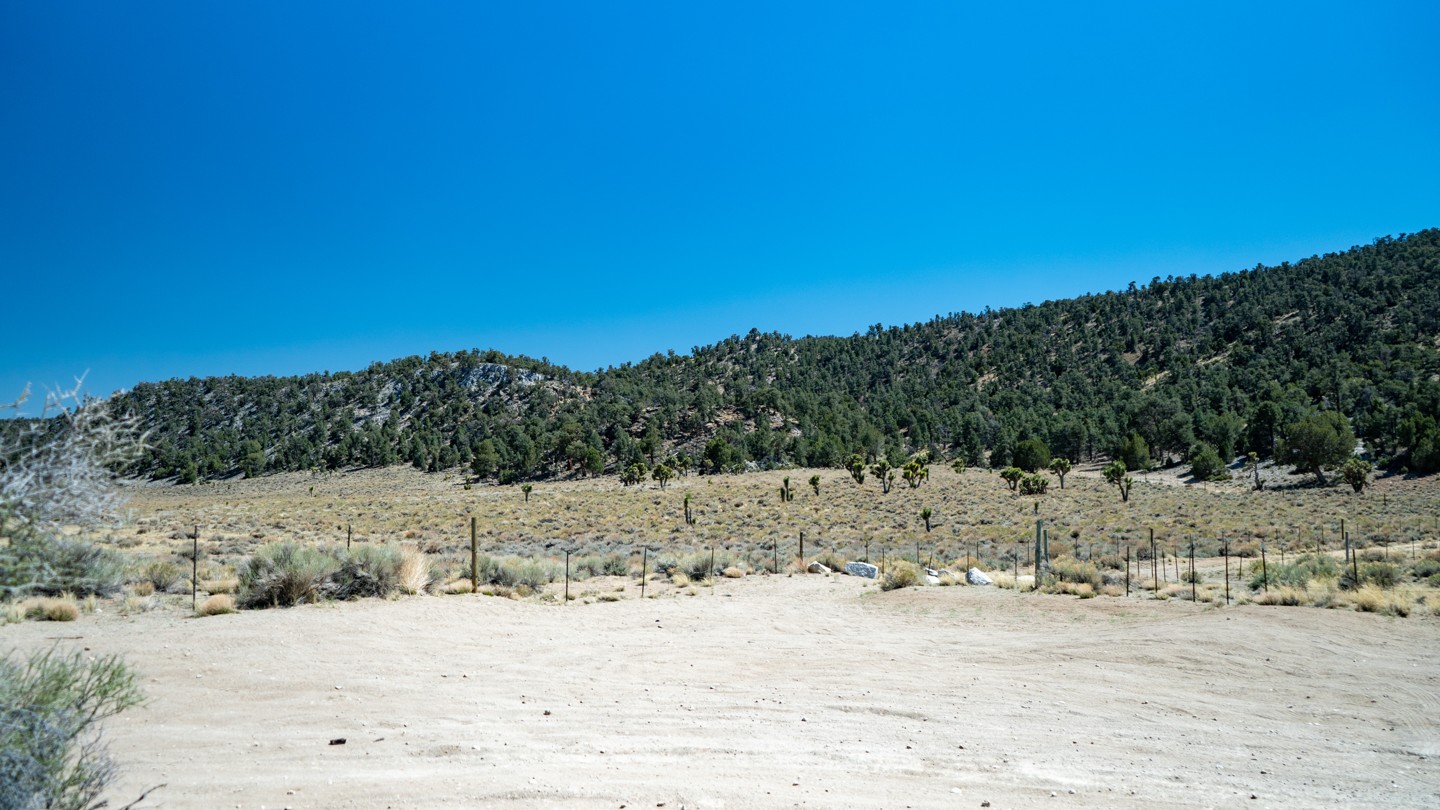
200 188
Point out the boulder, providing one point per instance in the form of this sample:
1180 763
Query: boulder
817 568
976 577
860 569
932 580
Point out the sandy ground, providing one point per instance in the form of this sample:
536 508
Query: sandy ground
809 691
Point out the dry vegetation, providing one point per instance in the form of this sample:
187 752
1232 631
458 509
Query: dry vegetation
409 532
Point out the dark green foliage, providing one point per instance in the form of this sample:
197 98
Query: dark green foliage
1031 455
1134 452
1230 361
1317 441
1205 463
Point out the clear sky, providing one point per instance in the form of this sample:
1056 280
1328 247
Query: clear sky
199 188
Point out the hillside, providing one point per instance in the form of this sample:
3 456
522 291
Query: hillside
1230 361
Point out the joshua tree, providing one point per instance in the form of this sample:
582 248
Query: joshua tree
1012 476
856 467
925 515
1356 472
1254 461
882 470
527 489
915 472
662 473
1060 466
815 484
786 494
1034 484
1115 474
689 516
958 465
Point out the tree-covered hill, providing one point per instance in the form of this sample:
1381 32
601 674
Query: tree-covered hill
1228 362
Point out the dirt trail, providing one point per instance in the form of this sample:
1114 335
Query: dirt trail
768 692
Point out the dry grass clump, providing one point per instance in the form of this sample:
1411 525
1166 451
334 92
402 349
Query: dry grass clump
1374 599
413 572
1002 580
51 609
1288 595
456 586
227 585
217 605
1070 571
679 579
732 573
900 575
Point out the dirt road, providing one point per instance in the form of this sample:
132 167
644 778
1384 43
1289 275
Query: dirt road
809 691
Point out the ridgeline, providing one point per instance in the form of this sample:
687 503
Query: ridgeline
1227 363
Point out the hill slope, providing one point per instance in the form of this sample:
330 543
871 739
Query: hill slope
1228 360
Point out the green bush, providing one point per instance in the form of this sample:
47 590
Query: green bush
162 575
285 574
1298 573
50 709
1379 573
40 565
365 570
1069 569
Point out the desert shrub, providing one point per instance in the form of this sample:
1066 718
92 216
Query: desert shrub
1283 595
830 559
1187 577
528 572
52 566
1297 574
216 605
51 755
1069 569
900 575
1379 573
162 575
1425 568
365 570
1113 562
284 574
732 573
615 564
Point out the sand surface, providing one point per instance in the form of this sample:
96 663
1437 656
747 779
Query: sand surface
808 691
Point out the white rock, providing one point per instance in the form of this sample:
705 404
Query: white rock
976 577
860 569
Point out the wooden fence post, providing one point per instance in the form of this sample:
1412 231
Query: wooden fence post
1265 569
474 559
195 567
